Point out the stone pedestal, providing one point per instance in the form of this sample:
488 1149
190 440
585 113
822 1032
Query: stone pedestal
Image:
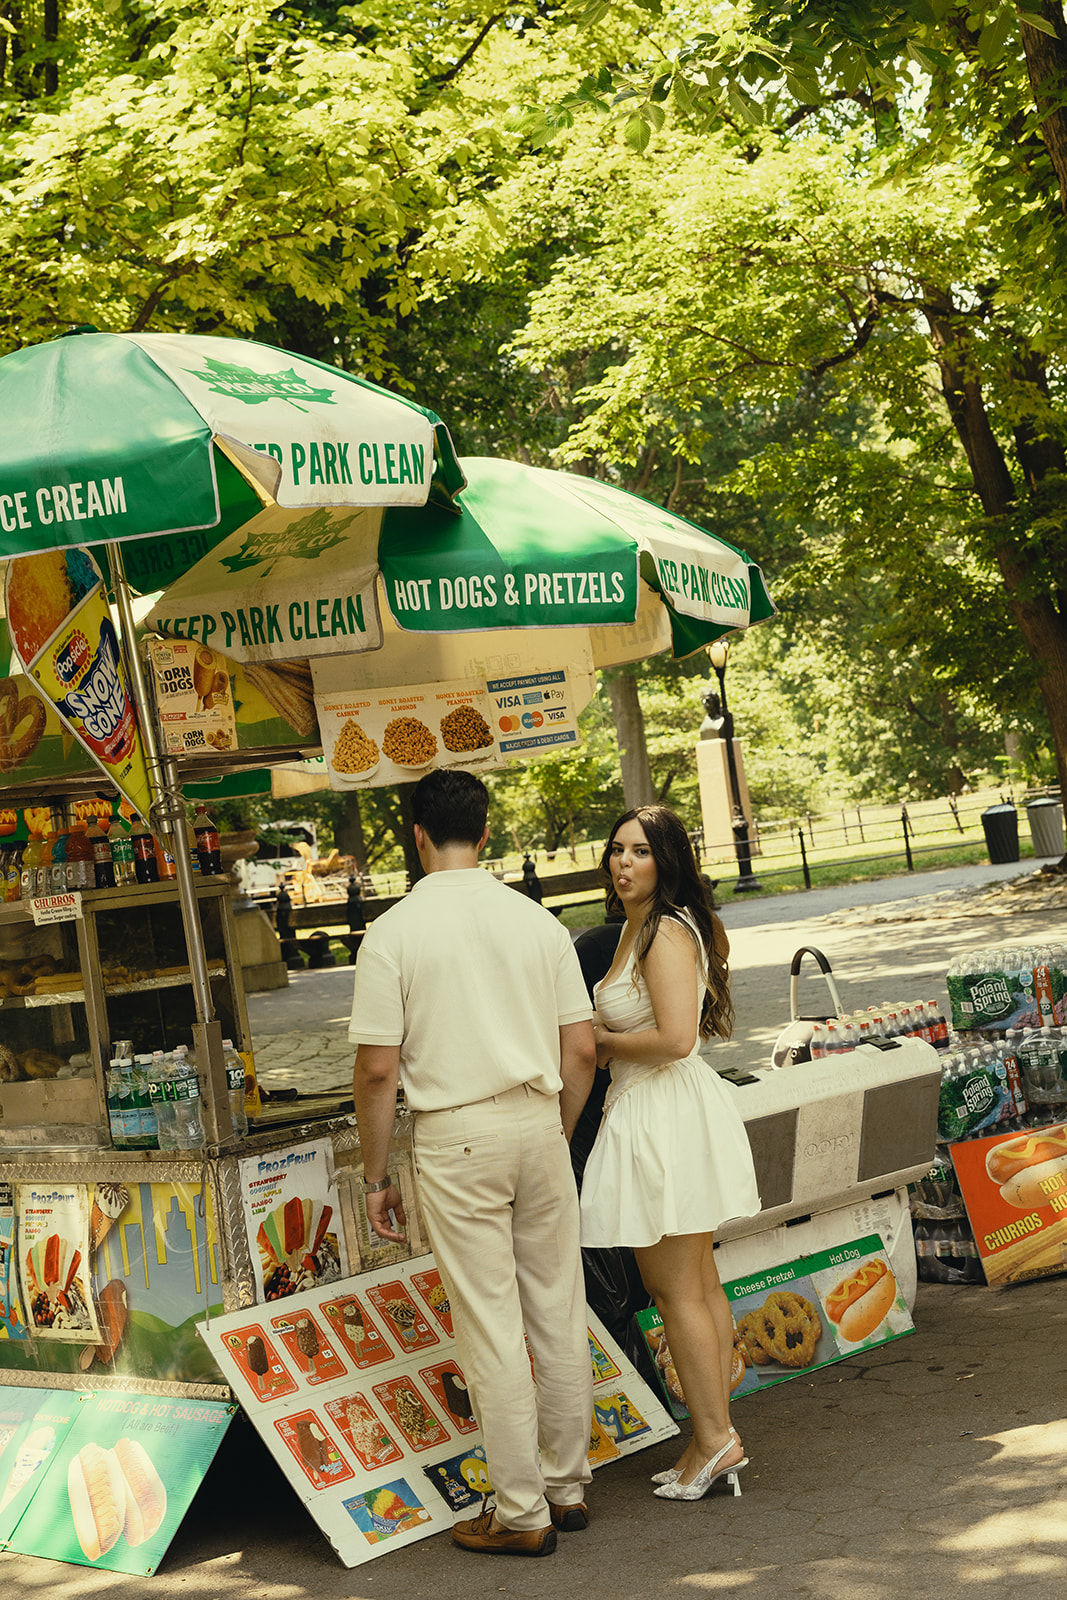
260 950
716 801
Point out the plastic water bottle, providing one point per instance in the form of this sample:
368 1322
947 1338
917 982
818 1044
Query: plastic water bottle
142 1093
123 1117
235 1085
188 1123
161 1093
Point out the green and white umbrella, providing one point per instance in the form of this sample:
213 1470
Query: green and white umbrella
519 559
184 439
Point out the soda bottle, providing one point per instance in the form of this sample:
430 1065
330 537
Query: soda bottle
235 1085
13 876
103 865
818 1041
161 1095
121 854
145 866
164 859
192 848
80 873
188 1124
208 849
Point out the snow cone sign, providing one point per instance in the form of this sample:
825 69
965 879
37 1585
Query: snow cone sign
64 638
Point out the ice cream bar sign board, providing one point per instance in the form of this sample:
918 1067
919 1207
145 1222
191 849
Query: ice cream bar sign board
358 1393
293 1219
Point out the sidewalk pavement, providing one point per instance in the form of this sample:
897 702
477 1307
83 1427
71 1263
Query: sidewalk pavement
933 1468
870 932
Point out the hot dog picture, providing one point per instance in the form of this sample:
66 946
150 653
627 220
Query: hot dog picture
112 1492
1031 1169
862 1301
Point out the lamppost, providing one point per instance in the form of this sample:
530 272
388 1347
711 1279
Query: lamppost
718 655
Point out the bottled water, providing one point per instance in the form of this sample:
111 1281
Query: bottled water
188 1123
161 1091
235 1085
123 1116
142 1086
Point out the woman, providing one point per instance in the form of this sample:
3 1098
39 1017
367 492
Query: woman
671 1161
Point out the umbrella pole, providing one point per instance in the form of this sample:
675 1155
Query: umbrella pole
168 814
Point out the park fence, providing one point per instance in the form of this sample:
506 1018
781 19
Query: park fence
856 836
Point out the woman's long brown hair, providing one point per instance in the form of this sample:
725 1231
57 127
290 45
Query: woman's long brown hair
679 889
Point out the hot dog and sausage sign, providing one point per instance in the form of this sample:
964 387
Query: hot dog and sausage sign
1015 1191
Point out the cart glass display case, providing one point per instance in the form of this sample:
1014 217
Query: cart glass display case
119 970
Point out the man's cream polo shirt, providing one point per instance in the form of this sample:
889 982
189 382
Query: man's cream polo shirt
473 981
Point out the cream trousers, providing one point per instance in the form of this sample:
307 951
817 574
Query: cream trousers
500 1206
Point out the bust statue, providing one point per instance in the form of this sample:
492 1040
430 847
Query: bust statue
714 722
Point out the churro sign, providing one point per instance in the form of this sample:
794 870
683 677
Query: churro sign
64 638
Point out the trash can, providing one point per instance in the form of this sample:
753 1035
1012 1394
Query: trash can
1001 827
1046 826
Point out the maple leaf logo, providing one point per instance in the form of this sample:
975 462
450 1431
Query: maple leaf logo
302 541
253 388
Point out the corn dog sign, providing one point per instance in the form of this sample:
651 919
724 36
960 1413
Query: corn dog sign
64 638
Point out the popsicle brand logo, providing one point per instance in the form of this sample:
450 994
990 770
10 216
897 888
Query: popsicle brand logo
71 659
100 701
254 388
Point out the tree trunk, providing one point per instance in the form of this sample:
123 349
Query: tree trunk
1046 63
412 864
349 831
630 730
1040 623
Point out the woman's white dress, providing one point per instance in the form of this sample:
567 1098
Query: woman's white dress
672 1155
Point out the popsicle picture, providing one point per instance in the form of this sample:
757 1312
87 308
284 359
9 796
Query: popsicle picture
57 1297
290 1238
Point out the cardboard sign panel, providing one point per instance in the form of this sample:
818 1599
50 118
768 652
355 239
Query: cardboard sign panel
1015 1189
358 1394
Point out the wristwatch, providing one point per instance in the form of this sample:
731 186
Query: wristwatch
376 1188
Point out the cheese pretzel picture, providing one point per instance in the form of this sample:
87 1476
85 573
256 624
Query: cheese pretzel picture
862 1301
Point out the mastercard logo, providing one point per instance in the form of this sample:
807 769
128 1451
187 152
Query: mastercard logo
509 724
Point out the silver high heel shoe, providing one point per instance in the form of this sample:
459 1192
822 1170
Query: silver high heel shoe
705 1478
672 1474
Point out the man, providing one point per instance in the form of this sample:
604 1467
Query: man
472 996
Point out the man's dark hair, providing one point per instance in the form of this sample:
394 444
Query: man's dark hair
452 807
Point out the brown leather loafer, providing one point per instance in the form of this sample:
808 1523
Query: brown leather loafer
569 1519
479 1534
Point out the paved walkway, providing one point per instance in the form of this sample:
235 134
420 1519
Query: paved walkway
867 931
932 1469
